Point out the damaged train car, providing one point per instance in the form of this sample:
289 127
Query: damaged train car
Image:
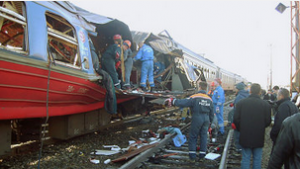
187 68
47 74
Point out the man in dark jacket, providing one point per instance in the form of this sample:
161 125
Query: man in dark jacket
242 93
111 56
251 117
269 96
201 106
287 148
285 109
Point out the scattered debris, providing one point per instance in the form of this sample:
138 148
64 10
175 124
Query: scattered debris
107 161
134 153
113 147
212 156
179 140
105 152
92 160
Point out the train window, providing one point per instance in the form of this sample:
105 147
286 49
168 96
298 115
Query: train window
13 26
62 41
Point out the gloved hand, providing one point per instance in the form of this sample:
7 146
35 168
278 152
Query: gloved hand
233 126
117 56
118 64
209 129
169 102
217 109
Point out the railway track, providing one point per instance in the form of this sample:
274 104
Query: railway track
87 145
165 155
33 145
230 158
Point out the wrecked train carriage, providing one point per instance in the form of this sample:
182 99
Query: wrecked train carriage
47 71
178 76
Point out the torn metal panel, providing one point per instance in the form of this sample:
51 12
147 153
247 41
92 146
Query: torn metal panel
160 44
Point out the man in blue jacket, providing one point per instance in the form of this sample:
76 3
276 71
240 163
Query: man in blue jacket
218 99
242 93
201 107
146 55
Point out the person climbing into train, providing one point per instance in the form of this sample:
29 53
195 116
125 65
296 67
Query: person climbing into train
146 55
110 103
201 107
110 57
128 62
219 100
242 93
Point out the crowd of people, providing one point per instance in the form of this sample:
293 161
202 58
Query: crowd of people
251 116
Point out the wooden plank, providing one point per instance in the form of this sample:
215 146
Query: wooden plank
134 153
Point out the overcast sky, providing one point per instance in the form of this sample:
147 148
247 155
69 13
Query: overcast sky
235 35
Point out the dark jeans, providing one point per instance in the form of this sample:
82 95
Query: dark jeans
199 126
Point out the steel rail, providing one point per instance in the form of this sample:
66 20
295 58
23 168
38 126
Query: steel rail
223 163
136 161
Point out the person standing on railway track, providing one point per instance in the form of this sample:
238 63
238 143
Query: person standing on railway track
214 125
242 93
287 148
218 98
201 107
285 109
251 117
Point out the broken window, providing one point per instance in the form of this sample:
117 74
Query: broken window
62 41
12 26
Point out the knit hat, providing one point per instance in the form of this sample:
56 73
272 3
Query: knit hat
240 86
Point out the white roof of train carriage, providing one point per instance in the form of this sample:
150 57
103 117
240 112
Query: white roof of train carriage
196 56
86 19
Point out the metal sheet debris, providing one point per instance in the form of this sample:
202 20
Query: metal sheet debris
105 152
92 160
107 161
212 156
113 147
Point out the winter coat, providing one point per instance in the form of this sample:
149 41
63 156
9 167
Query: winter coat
241 95
271 97
218 96
286 108
251 117
113 52
145 53
287 147
199 103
